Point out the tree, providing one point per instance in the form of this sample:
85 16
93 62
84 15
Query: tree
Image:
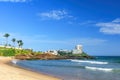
20 43
14 40
6 35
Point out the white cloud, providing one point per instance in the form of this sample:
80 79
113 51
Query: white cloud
112 27
14 0
55 14
116 20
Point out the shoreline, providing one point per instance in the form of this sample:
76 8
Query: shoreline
11 72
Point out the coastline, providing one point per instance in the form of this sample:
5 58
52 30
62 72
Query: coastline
9 72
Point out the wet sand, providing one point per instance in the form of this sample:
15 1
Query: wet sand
8 72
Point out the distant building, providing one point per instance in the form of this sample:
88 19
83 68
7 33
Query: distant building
52 52
78 49
65 51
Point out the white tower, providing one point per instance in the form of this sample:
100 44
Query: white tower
78 49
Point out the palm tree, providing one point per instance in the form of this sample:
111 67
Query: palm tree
20 43
14 40
6 35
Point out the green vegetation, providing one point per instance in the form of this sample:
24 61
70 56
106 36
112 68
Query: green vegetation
74 56
7 52
13 52
63 53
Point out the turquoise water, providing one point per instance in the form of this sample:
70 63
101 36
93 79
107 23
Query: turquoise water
101 68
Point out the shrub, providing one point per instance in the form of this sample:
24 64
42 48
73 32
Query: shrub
7 52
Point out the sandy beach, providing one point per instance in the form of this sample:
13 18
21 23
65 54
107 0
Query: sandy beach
8 72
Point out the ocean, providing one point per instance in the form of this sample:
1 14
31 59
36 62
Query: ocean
100 68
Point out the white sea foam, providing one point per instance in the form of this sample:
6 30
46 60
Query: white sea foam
101 69
91 62
14 61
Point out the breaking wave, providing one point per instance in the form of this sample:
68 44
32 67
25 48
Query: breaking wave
14 61
100 69
91 62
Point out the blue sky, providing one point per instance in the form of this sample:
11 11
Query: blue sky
62 24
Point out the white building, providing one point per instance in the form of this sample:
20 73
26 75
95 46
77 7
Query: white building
78 49
52 52
66 51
